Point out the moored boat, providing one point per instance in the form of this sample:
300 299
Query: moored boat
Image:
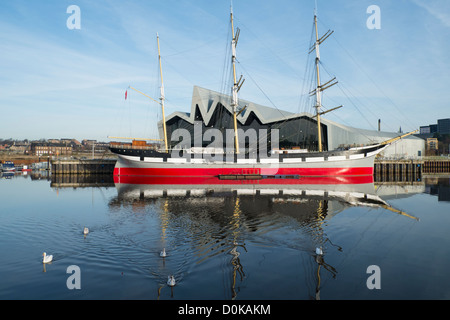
8 166
137 159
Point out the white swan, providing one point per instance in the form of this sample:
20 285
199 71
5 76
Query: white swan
85 230
163 253
319 251
47 258
171 281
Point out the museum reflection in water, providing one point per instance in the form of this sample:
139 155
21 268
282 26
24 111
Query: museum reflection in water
232 210
222 214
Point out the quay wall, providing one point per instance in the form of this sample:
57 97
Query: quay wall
409 170
94 166
382 167
436 166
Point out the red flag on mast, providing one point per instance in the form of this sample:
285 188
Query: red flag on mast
126 91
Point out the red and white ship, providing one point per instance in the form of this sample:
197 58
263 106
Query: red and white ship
352 162
289 164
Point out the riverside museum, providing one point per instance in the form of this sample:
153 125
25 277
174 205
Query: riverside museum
299 130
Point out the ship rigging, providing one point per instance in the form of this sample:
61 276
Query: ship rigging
167 160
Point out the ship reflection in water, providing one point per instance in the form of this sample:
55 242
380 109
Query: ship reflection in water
240 223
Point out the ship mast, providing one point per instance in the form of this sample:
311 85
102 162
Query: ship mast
162 98
318 95
236 84
320 87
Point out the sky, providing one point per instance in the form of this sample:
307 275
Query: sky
57 81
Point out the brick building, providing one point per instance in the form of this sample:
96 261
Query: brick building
40 149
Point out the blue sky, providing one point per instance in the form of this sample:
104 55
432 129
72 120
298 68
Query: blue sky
62 83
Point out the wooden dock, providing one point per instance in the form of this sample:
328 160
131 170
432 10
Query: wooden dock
397 167
80 166
398 170
409 170
81 180
436 166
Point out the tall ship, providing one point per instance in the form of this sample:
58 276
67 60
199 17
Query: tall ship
232 163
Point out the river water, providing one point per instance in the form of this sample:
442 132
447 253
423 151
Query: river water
233 241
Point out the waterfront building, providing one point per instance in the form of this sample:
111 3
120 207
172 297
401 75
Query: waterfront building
46 148
443 126
87 142
425 130
214 110
432 143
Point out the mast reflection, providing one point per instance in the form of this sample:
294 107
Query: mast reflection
226 213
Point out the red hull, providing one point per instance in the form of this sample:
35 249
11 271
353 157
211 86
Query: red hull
214 172
196 180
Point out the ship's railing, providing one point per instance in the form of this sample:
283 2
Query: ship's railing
130 146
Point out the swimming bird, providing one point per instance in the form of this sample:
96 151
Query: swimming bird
163 253
85 230
47 258
171 281
319 251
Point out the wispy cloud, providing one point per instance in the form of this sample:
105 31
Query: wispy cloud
50 73
52 88
33 65
440 9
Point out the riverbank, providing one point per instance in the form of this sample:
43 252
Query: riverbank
24 159
21 159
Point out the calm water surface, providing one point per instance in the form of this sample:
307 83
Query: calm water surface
247 242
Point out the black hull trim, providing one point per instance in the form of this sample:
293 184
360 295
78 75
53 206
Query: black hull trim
149 153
